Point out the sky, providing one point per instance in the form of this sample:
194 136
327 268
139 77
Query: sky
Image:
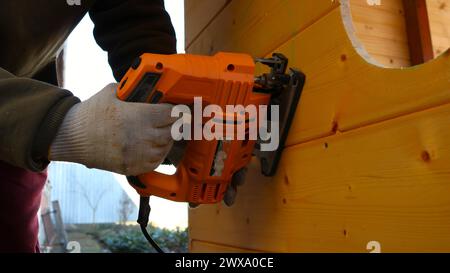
87 72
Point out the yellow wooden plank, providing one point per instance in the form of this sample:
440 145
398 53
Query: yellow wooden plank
207 247
343 91
258 27
384 182
252 26
199 13
394 62
386 47
388 182
439 14
382 30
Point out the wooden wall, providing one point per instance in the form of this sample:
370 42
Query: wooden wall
368 155
439 14
382 29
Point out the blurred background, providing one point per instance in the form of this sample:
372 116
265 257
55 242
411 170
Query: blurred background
88 210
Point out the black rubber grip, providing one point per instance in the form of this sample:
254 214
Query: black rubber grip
134 181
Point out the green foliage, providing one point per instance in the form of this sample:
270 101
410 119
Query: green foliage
129 239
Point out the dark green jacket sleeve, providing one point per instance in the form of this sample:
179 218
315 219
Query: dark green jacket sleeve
30 115
128 28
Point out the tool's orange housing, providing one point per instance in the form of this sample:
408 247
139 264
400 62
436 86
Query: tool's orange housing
223 79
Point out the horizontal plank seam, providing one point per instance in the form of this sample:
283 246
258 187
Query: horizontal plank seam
412 112
225 245
207 25
312 22
377 122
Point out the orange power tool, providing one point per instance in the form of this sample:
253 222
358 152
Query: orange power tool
223 79
208 166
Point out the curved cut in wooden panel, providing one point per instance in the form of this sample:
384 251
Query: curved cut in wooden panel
382 29
345 90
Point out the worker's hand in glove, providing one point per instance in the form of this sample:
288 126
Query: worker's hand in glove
109 134
231 193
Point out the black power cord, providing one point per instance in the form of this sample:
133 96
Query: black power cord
143 217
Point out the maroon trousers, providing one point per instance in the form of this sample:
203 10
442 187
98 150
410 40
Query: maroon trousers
20 198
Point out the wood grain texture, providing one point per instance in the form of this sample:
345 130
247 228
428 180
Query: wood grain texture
258 27
343 91
208 247
389 182
368 152
439 14
199 13
382 31
332 100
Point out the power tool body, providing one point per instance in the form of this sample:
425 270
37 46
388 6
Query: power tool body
223 79
208 166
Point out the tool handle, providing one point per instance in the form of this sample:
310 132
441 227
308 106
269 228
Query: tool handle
155 183
159 184
178 79
152 183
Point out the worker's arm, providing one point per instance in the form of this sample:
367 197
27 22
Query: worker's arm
128 28
109 134
30 115
40 122
32 112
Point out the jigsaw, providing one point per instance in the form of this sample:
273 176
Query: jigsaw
208 166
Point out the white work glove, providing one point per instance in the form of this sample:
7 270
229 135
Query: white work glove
109 134
237 181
